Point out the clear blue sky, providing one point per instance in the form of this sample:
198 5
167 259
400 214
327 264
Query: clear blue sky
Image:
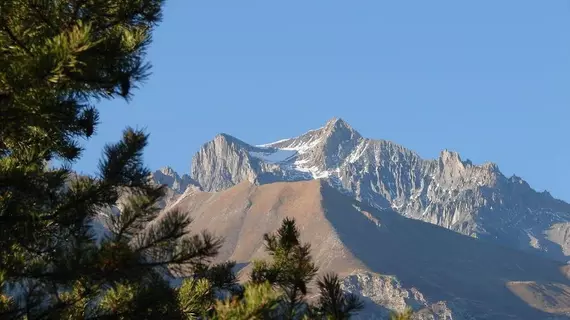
490 79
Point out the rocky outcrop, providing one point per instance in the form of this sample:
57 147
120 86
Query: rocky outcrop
176 184
222 163
167 176
383 295
475 200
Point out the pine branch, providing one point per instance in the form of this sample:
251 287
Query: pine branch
221 276
189 250
136 214
259 302
291 269
122 164
14 38
39 14
195 297
169 228
57 59
333 302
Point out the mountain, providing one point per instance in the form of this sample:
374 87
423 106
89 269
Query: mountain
474 200
170 178
444 235
389 260
176 184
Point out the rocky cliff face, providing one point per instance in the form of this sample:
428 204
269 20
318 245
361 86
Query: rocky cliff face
176 184
475 200
169 177
383 294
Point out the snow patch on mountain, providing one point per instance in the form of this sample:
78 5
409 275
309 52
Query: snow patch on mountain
314 171
358 152
290 156
475 200
303 147
273 155
268 145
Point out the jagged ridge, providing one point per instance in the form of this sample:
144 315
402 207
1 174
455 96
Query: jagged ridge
475 200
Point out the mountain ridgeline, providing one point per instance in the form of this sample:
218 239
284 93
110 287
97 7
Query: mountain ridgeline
474 200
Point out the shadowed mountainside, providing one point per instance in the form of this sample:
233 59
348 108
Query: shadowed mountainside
468 275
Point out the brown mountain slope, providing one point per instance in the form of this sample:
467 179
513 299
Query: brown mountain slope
472 276
243 214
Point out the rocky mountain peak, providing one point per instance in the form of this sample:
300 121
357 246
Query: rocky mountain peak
222 163
451 162
168 171
224 138
340 128
339 141
476 200
448 156
322 149
169 177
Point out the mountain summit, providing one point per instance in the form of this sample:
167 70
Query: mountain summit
322 149
373 212
475 200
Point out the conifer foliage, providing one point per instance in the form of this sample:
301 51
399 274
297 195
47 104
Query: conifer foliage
333 302
291 271
57 59
99 246
404 315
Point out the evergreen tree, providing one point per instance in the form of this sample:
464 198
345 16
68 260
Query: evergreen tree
57 59
404 315
333 303
258 303
196 298
222 279
291 269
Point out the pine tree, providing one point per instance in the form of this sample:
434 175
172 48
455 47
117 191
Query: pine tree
291 269
259 302
404 315
57 59
334 304
196 298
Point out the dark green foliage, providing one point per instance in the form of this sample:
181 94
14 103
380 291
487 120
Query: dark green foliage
196 298
57 59
404 315
333 303
59 55
258 303
221 277
291 269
